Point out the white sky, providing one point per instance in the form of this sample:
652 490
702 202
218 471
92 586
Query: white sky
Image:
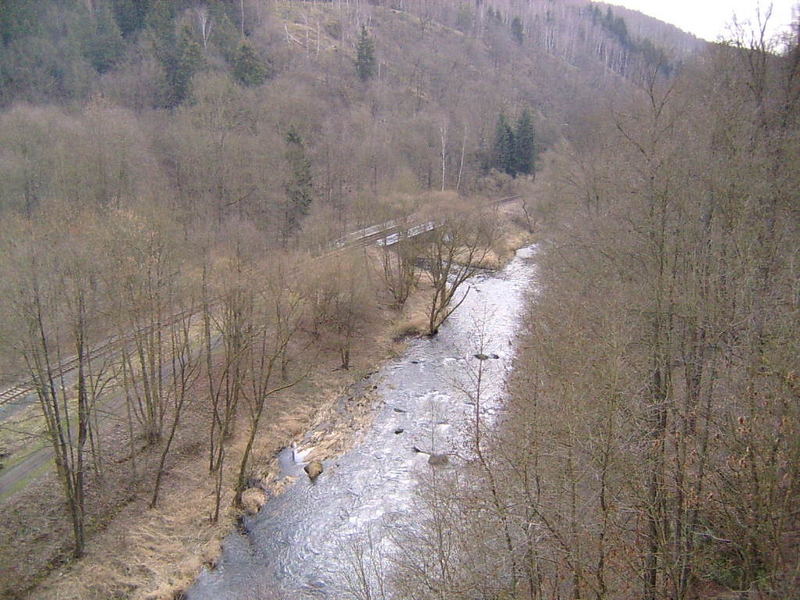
710 19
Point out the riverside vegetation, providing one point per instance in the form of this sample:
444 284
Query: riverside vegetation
174 174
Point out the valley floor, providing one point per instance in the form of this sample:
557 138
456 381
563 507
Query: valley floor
141 553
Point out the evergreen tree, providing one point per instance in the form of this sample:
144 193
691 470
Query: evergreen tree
180 56
224 35
248 67
42 51
365 55
503 150
516 30
161 34
18 19
189 60
299 186
104 46
524 144
130 15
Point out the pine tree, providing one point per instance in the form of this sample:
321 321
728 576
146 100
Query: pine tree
365 55
130 15
503 151
524 144
189 61
18 20
104 46
516 30
299 186
164 42
249 68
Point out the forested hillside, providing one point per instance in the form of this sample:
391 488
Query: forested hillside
197 109
652 445
174 175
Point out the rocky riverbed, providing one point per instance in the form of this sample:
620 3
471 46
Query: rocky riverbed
298 545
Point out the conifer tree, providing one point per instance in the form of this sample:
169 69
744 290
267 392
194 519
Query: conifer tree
189 61
130 14
365 55
18 20
503 151
249 68
524 144
104 46
299 185
164 43
516 30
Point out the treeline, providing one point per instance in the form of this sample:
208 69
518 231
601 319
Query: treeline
421 119
618 28
192 108
624 42
652 445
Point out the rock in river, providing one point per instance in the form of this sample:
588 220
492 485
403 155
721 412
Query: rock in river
253 499
438 460
313 469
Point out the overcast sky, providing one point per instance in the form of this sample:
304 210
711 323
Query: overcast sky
709 19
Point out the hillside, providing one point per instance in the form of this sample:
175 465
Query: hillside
114 104
176 176
433 61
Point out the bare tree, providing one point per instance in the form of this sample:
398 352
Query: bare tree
184 368
454 254
399 262
54 299
351 302
228 305
204 23
276 321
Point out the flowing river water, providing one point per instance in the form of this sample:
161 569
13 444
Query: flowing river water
301 541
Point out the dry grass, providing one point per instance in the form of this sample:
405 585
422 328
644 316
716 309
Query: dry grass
143 554
515 237
146 554
413 321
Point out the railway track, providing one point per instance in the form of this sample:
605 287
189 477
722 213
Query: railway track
18 391
387 233
107 348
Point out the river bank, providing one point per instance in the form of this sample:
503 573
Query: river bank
139 553
154 553
306 542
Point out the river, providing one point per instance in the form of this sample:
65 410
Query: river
301 541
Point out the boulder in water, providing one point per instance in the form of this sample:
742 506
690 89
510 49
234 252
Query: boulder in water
434 460
313 469
253 499
438 460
